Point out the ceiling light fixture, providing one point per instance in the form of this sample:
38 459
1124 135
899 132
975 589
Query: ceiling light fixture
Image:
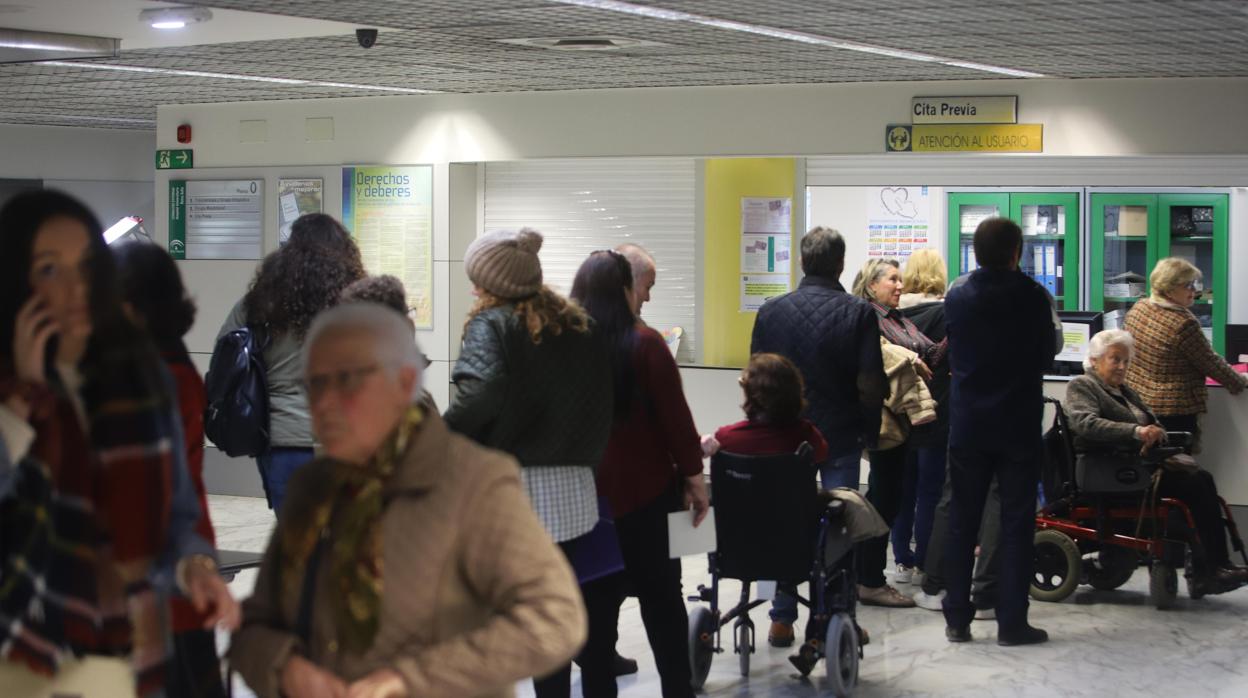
174 17
789 35
233 76
583 43
21 46
76 117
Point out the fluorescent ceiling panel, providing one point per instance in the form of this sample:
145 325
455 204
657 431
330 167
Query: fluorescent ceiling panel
788 35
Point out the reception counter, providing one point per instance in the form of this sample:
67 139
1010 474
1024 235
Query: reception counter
715 399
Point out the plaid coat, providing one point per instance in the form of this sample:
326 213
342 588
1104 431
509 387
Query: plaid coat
1172 358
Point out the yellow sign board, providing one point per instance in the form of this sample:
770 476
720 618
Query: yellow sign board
995 109
964 138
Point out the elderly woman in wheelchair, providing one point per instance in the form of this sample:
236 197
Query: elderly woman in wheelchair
1111 425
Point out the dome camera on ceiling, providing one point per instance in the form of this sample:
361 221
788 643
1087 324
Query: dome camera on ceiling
366 37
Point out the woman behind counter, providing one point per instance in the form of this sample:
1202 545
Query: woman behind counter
1172 354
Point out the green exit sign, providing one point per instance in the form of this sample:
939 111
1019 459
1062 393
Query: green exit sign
175 159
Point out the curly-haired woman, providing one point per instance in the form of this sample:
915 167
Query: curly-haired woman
292 285
534 380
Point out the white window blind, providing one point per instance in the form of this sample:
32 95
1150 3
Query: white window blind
595 204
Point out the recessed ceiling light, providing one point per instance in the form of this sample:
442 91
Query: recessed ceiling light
583 43
653 12
174 17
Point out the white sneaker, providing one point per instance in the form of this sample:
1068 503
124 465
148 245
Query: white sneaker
986 614
931 602
904 574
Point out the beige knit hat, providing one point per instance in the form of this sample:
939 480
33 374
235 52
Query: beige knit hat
505 263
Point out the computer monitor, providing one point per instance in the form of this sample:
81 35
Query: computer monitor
1078 326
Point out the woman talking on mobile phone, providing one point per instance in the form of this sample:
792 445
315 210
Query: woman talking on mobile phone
97 512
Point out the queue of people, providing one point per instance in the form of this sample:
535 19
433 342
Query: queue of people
425 554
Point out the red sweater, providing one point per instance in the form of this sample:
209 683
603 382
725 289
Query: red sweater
656 442
753 439
191 402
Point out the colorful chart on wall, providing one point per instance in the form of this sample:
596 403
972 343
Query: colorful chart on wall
897 221
297 197
389 210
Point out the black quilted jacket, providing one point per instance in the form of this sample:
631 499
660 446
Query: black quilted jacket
546 404
834 338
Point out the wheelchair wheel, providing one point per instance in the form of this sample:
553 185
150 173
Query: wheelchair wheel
745 647
1163 585
841 655
1116 568
1058 566
701 644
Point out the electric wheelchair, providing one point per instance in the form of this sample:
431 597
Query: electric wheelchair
1101 520
772 523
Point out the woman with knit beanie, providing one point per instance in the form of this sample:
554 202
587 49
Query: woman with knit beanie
534 381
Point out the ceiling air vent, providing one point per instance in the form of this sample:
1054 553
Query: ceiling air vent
583 43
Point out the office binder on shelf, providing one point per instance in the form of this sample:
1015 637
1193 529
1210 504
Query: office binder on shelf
1050 267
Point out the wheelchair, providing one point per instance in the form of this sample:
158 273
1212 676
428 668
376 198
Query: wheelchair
773 524
1101 521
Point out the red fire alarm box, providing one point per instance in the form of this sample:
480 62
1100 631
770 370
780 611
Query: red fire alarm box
184 133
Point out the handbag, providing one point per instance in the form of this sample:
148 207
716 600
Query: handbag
596 554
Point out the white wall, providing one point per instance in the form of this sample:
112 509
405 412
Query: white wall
1081 118
111 171
54 152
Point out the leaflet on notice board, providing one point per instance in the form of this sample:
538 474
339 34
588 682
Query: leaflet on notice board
297 197
389 210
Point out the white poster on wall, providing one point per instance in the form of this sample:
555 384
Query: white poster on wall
898 221
757 289
766 215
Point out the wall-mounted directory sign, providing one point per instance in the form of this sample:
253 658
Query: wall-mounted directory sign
389 210
219 219
997 109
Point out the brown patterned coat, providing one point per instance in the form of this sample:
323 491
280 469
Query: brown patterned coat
476 595
1172 359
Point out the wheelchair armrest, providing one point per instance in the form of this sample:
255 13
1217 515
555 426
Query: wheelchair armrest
1161 453
1182 439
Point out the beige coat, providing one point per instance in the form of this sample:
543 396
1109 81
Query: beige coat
476 595
909 402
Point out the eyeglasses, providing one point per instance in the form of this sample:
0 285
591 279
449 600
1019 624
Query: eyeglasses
1196 285
346 382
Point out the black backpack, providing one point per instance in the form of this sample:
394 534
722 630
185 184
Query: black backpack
237 416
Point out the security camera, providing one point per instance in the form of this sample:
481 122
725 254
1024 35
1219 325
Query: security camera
366 37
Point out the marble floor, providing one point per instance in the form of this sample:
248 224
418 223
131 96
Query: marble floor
1103 643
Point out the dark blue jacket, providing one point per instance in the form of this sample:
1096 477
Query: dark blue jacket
834 339
1001 342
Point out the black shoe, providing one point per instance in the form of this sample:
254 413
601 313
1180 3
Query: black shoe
1027 635
962 634
623 666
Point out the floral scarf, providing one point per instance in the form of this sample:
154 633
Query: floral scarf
345 509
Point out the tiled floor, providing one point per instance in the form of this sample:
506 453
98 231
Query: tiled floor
1103 643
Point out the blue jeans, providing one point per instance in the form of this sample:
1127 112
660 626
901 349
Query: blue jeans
844 470
276 466
920 492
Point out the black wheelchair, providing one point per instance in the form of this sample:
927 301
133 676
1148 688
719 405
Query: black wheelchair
772 523
1101 521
